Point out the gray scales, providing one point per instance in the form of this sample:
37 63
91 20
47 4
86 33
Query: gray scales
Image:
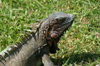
35 48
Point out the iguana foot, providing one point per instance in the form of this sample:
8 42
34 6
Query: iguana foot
47 61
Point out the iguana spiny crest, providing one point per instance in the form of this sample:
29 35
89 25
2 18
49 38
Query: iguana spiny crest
53 27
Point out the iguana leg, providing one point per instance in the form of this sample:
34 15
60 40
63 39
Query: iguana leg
46 60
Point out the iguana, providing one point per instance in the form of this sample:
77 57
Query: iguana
34 49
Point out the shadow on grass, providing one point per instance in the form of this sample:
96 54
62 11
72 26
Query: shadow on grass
76 58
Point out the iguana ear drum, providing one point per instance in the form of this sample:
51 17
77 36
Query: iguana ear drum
54 34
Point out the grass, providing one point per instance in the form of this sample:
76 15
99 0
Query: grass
80 46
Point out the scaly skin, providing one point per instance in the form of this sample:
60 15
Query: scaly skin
35 50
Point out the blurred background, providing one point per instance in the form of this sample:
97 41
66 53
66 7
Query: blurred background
80 46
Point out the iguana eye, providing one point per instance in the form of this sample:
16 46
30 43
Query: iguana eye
62 20
57 19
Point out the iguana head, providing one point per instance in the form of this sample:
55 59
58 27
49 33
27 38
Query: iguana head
59 22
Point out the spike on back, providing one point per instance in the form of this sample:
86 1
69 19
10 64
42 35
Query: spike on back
32 27
24 38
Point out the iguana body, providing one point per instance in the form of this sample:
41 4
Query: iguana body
35 48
